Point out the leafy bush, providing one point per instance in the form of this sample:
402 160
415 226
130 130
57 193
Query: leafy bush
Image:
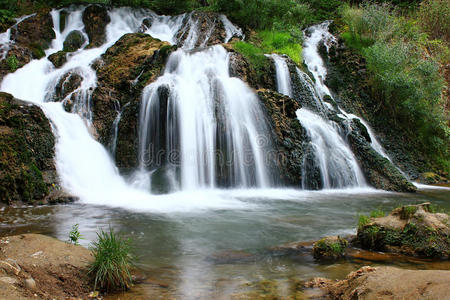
112 262
12 62
434 17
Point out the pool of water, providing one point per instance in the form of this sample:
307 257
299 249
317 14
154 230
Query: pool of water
217 251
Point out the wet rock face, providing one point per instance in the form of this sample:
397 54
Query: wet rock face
74 41
35 33
258 77
123 71
378 170
413 230
95 19
17 57
288 135
27 151
208 25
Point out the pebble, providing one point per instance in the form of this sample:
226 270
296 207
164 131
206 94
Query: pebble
30 283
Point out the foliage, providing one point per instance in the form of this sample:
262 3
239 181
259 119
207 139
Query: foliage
75 235
12 62
404 78
112 261
329 248
363 220
434 17
377 213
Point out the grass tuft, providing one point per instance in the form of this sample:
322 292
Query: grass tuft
113 261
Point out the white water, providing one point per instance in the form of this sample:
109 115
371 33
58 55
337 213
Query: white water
338 166
284 85
207 114
85 167
5 37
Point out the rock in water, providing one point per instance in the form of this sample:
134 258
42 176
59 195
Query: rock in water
74 41
95 19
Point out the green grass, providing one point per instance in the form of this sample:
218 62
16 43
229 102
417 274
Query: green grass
363 220
112 262
75 235
12 62
281 43
377 213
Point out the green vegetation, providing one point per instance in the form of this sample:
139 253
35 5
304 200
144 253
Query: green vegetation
363 220
404 67
75 235
112 262
377 213
330 247
12 62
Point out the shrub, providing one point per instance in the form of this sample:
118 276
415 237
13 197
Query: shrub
75 235
434 17
112 262
12 62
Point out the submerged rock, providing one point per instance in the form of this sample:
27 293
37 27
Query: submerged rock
288 135
412 230
27 144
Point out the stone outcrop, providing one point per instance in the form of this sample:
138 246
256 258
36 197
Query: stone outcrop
378 170
332 247
73 41
288 134
95 19
383 283
123 71
412 230
27 143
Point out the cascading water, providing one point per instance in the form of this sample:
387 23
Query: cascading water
85 167
214 122
328 162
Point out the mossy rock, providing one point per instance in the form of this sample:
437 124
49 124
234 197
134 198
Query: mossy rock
58 59
74 41
330 248
411 230
27 152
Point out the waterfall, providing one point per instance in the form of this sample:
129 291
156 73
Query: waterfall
210 122
208 112
284 84
328 161
5 37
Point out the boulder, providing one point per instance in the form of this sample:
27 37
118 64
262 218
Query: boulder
17 57
27 144
332 247
95 19
35 33
378 170
58 59
74 41
411 230
133 62
288 135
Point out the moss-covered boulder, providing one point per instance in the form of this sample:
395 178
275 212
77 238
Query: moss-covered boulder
95 19
378 170
123 71
58 59
332 247
27 169
412 230
288 134
74 41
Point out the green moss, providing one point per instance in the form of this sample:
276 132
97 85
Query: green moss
37 50
377 213
330 248
363 220
408 211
